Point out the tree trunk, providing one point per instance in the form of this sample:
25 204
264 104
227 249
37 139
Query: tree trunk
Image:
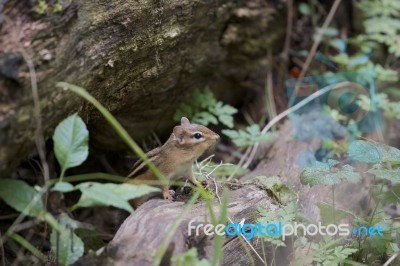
139 58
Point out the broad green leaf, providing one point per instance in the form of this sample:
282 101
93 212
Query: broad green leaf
362 151
326 212
392 195
315 176
90 238
96 194
130 191
63 187
117 195
66 246
388 154
389 174
19 195
71 142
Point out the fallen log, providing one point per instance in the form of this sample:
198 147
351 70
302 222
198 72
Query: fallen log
141 234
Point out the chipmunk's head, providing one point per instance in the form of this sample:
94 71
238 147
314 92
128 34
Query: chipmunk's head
193 137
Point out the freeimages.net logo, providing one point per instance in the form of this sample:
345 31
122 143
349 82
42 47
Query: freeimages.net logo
280 230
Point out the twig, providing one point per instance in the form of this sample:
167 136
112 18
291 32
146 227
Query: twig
239 165
269 91
3 255
40 142
318 38
208 158
250 245
289 27
39 138
216 191
292 109
392 258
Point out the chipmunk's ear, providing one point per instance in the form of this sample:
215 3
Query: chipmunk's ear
179 134
185 121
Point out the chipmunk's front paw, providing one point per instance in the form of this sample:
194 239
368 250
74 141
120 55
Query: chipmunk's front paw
169 194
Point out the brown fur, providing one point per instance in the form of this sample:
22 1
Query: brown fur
175 158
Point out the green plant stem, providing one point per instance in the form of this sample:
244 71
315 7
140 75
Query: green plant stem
122 133
171 231
91 176
28 246
60 179
219 240
49 218
376 205
333 205
22 215
3 257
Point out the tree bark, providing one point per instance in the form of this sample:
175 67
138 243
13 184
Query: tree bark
142 233
139 58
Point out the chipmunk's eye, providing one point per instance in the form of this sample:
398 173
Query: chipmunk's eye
197 135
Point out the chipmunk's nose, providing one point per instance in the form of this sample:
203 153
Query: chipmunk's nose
216 137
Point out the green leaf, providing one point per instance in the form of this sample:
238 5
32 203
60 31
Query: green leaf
392 195
187 258
389 174
71 142
227 120
231 133
67 246
251 136
364 152
304 9
130 191
63 187
318 176
205 109
97 194
90 238
271 182
388 154
19 195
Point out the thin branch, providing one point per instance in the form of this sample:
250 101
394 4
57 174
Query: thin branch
392 258
3 255
318 38
292 109
239 165
40 142
269 91
289 27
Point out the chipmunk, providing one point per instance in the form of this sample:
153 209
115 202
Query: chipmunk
175 158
